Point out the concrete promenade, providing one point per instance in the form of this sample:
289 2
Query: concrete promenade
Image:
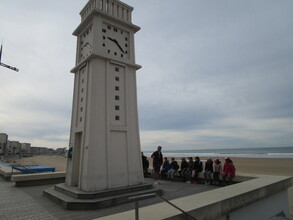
19 203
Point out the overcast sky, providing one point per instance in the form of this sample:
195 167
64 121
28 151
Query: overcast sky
215 74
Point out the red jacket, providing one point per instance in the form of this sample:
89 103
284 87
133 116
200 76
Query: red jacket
229 169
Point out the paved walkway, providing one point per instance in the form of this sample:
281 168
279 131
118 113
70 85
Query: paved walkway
20 203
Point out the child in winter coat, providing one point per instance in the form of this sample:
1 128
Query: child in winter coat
208 170
228 170
173 170
166 167
217 171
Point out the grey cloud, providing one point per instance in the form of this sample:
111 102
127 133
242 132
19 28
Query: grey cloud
207 65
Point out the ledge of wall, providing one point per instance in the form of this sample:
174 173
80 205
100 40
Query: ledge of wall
38 178
221 201
6 172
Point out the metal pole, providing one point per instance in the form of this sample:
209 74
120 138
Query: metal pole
146 196
136 210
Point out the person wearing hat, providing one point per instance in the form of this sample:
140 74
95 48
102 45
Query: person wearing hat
228 170
217 171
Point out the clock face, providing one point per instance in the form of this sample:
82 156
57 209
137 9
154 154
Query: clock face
115 41
85 41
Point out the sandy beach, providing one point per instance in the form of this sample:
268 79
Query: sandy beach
266 166
57 161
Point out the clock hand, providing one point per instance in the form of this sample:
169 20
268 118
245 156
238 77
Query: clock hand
111 39
116 42
87 44
118 45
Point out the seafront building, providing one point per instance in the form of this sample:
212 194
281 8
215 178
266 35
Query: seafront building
46 150
11 147
25 147
3 143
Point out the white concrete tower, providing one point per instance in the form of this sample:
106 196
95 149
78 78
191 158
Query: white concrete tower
104 132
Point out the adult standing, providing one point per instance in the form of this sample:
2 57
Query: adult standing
157 162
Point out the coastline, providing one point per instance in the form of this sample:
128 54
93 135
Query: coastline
265 166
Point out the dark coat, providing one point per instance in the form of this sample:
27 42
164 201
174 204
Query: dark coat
174 165
198 166
209 166
183 165
157 159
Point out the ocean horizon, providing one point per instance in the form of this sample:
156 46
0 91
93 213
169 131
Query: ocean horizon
265 152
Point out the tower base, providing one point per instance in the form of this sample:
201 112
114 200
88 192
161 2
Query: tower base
72 198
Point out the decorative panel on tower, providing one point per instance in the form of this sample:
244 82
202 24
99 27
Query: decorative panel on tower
117 94
81 100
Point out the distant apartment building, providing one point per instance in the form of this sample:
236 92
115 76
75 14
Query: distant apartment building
13 147
8 147
36 150
3 143
60 150
25 147
42 150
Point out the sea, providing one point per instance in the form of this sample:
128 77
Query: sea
270 152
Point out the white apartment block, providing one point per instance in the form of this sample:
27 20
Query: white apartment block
13 147
3 143
25 147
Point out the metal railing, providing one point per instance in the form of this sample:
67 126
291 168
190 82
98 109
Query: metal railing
150 195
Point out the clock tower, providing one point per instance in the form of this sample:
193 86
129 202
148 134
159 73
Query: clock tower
104 136
104 166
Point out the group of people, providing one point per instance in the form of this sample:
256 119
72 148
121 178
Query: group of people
190 169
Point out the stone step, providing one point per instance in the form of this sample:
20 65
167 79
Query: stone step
72 203
79 194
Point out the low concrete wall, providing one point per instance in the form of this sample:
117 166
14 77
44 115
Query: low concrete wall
236 179
263 209
38 178
6 172
224 203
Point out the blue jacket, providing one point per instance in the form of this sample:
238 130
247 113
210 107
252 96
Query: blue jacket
166 166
